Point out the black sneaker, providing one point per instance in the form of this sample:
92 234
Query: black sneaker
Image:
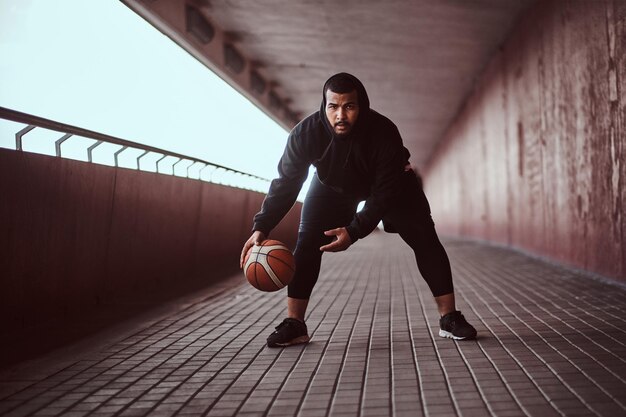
289 332
454 326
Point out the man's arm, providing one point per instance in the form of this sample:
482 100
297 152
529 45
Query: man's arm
293 169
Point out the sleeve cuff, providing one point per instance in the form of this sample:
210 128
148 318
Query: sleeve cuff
352 232
259 228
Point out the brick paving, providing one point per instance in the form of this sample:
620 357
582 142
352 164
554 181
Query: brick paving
552 342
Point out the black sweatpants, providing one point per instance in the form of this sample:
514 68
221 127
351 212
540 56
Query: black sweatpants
325 209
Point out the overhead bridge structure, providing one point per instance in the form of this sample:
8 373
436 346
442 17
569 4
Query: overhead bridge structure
120 292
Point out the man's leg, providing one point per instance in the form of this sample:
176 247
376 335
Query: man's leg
445 304
296 308
323 209
293 330
411 218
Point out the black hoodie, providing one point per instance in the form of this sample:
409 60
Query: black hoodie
367 163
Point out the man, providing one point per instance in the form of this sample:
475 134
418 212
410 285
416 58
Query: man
358 155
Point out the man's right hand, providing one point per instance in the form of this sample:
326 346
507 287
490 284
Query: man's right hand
256 239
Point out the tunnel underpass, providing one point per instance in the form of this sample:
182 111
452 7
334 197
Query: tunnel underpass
120 293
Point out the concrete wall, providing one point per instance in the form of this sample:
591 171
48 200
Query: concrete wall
73 235
537 157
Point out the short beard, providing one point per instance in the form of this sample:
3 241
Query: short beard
341 135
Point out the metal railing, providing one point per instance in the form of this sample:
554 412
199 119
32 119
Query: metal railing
254 182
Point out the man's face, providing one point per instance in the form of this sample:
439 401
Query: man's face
342 111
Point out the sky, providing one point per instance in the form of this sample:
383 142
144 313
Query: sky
97 65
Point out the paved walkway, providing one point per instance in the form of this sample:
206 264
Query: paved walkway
551 342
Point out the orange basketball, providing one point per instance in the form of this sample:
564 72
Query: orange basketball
269 266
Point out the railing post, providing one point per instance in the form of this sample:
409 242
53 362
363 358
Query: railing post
141 156
189 166
174 165
119 152
91 148
157 163
18 136
58 142
200 172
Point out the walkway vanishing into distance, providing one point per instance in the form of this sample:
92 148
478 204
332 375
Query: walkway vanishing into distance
552 342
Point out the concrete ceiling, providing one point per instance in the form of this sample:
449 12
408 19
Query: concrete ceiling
418 59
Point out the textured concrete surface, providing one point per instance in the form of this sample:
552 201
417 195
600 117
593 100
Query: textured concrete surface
537 158
552 342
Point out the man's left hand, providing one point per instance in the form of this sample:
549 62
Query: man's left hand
342 242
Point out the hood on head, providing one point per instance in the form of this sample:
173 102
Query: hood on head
364 103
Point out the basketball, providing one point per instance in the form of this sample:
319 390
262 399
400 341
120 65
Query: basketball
269 266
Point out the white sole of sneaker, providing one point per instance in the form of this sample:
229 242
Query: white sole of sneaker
296 341
449 335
